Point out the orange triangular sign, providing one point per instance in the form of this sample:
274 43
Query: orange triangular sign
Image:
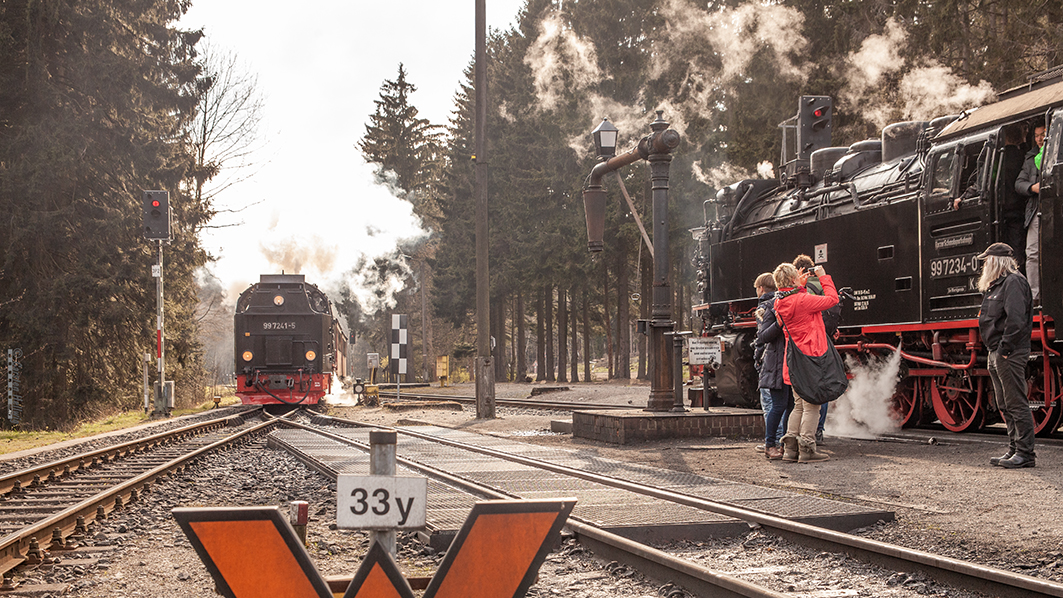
252 552
378 577
499 549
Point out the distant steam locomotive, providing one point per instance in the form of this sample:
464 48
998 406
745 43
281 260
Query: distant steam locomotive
288 343
880 215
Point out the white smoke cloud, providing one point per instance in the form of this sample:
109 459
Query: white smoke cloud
330 238
719 176
925 89
561 60
864 411
735 36
766 170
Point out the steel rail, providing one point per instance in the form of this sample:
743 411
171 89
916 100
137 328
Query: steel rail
548 405
14 545
657 564
960 574
62 467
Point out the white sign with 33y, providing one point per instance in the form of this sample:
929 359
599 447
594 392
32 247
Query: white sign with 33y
381 502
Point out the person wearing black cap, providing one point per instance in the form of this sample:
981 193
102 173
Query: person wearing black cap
1005 322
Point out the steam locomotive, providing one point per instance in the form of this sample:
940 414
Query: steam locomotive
881 216
288 343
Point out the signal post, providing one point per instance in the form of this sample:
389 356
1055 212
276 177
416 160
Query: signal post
157 228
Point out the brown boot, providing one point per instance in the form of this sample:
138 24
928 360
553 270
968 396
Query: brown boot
809 454
789 448
773 453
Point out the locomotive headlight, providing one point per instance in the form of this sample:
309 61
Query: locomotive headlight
278 300
311 355
248 355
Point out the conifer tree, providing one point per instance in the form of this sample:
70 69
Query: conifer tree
401 142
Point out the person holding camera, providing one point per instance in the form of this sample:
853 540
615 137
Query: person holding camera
801 314
831 318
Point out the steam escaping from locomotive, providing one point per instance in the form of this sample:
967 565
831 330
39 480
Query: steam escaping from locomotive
924 89
865 410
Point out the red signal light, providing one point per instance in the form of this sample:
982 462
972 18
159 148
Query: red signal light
154 203
818 112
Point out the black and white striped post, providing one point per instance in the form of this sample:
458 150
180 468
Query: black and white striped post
397 363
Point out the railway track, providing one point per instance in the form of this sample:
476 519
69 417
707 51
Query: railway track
929 434
682 568
519 403
49 506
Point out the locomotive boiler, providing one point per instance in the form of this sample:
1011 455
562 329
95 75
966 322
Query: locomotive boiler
882 216
289 345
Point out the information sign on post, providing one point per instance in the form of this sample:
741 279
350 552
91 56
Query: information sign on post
381 502
704 351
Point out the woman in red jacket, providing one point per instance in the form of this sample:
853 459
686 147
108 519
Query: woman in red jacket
801 315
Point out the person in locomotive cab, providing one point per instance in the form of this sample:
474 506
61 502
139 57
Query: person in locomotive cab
801 314
1013 205
776 398
1005 323
1028 185
831 318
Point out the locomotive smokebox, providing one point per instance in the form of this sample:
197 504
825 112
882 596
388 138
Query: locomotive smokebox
594 206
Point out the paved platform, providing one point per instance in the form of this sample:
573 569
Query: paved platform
636 516
638 425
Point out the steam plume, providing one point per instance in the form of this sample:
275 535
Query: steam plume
864 411
925 88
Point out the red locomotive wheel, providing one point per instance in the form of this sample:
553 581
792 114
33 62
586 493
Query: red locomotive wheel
906 404
1046 418
959 402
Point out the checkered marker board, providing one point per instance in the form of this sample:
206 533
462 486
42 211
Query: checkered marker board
399 343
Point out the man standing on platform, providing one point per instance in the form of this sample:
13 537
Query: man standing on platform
1005 322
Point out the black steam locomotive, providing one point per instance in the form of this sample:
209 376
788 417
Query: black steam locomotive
289 345
881 216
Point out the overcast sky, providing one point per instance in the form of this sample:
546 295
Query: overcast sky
320 65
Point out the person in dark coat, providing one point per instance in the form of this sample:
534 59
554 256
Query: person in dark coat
1012 204
776 398
1005 322
1028 185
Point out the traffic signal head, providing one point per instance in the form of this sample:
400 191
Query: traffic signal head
157 215
813 124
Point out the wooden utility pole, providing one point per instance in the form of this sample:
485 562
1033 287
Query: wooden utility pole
485 371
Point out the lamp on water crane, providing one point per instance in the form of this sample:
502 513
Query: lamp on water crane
605 136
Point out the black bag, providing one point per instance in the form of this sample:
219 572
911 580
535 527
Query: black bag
816 379
832 316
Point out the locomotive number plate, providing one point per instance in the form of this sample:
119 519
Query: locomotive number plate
278 325
960 265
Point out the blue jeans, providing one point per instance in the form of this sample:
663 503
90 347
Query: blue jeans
777 403
822 418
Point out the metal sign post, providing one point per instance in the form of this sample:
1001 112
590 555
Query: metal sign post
399 341
14 390
157 228
147 392
381 502
161 409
